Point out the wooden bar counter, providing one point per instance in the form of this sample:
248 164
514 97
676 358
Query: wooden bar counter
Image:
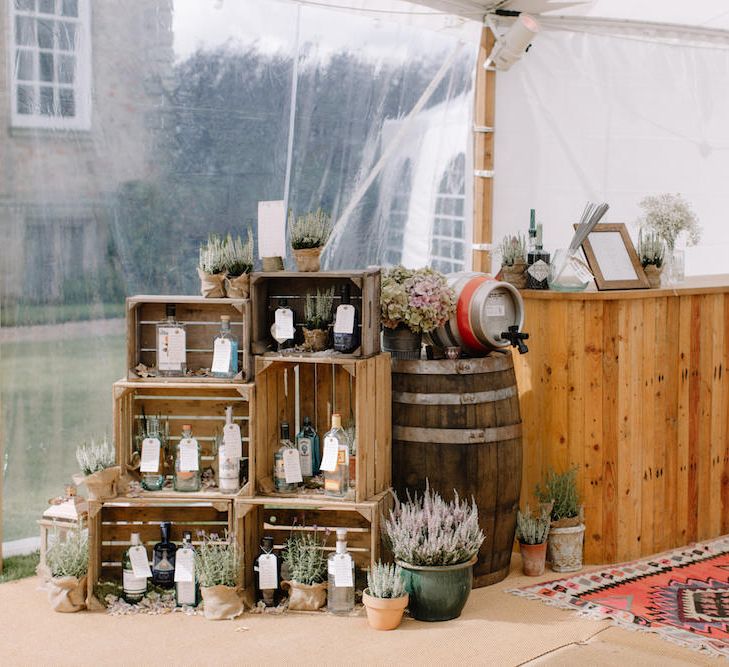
633 388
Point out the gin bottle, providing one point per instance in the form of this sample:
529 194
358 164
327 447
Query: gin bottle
186 592
340 594
134 588
279 469
225 351
228 463
346 324
163 559
336 468
171 345
307 442
152 467
187 462
268 573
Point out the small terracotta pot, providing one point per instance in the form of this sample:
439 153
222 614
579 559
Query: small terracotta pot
307 259
384 613
315 340
653 273
533 558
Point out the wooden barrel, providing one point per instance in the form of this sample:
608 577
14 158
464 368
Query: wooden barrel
457 424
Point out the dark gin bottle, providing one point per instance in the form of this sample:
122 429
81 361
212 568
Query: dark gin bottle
163 562
268 573
346 324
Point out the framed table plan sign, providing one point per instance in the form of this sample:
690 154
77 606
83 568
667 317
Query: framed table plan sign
613 259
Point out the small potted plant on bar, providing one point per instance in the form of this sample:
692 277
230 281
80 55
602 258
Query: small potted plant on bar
216 570
306 564
211 267
385 597
238 266
651 251
99 471
68 563
532 531
318 317
513 260
436 544
567 531
413 302
309 234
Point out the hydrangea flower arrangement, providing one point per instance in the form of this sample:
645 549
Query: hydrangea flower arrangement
667 216
420 299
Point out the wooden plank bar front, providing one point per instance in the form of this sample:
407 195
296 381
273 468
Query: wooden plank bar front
631 386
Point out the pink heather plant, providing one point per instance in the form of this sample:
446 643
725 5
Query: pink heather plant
421 299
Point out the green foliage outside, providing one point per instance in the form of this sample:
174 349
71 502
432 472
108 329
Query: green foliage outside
19 567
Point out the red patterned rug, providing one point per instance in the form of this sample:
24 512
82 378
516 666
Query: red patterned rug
682 595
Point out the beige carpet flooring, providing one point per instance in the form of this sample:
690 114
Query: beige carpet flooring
496 628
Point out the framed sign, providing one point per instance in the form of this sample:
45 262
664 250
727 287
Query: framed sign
613 259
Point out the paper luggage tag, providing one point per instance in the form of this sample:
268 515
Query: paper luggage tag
184 565
284 324
343 571
232 441
171 348
221 355
267 575
188 455
140 562
150 455
292 466
329 457
344 322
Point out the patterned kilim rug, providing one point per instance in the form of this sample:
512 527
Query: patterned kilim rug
682 595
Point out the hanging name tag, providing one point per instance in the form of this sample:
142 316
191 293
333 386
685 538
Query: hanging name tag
343 571
184 565
329 457
140 562
284 324
171 348
221 356
580 270
344 322
267 575
188 455
150 455
292 466
495 305
232 441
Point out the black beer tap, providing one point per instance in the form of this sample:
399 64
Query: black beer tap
516 338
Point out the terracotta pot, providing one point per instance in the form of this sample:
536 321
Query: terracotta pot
315 340
238 287
307 259
515 274
533 557
653 273
384 613
565 548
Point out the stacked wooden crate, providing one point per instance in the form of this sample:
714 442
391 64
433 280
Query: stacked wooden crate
270 388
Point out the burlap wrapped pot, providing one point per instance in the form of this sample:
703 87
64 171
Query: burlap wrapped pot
101 485
67 594
212 285
305 597
315 340
221 603
238 287
307 259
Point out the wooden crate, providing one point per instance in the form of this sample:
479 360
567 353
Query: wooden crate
267 290
198 404
202 319
112 522
354 388
256 517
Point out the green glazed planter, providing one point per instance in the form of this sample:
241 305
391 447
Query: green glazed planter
437 593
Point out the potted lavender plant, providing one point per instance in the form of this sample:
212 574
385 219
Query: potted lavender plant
306 562
68 562
385 597
318 316
309 234
436 544
211 267
413 302
532 531
216 570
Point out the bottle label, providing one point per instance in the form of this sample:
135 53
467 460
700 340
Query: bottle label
341 567
495 305
171 348
304 445
284 324
186 593
267 575
133 585
189 459
228 469
343 456
140 562
292 466
232 441
184 565
539 270
279 472
150 455
331 451
221 355
333 485
344 322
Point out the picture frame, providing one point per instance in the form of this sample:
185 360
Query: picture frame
613 259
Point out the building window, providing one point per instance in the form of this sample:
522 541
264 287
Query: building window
447 245
398 216
51 56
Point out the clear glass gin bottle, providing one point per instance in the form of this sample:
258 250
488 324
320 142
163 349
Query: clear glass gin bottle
171 345
268 573
134 588
336 480
186 592
279 470
153 477
340 594
187 462
225 346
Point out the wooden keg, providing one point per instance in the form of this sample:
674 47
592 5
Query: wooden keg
485 308
457 424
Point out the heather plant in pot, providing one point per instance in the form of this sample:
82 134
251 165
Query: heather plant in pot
309 234
567 531
238 257
385 597
513 252
68 563
532 531
306 563
211 267
318 317
436 544
99 472
216 570
413 302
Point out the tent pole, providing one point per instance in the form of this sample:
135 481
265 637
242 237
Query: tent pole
483 153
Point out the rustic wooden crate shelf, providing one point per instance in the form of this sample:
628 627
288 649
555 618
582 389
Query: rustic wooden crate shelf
201 405
202 318
267 289
358 388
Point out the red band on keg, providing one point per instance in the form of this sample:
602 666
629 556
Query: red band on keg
463 314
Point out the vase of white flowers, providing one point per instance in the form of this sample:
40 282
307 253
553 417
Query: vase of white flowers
671 218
